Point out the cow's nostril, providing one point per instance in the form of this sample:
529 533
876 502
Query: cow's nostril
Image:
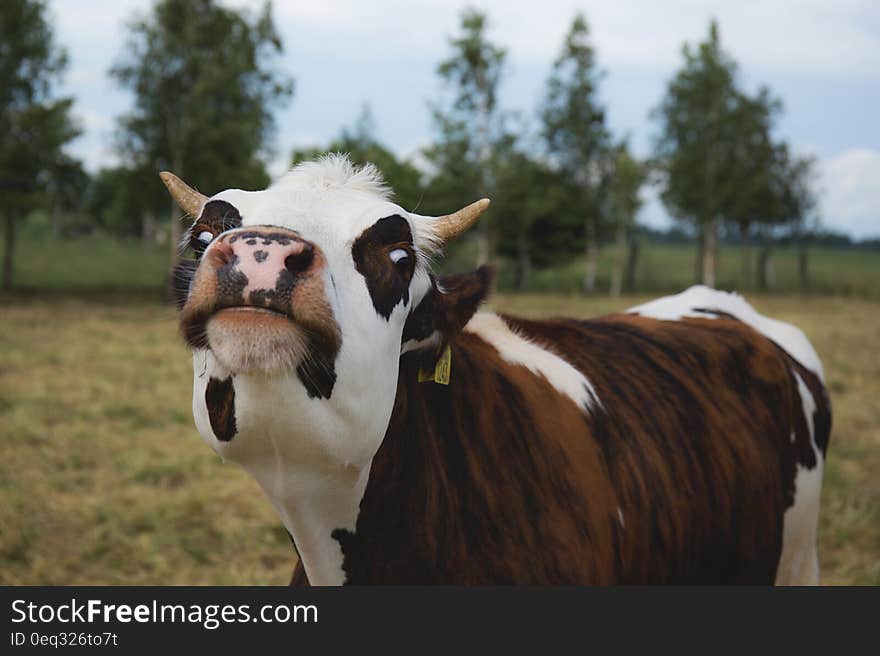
300 261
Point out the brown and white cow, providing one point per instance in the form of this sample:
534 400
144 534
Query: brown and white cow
404 437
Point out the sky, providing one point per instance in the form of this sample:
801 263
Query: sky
821 58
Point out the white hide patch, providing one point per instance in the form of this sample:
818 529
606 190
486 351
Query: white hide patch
809 404
790 338
516 349
799 564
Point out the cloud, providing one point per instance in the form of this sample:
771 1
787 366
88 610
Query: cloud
850 198
809 36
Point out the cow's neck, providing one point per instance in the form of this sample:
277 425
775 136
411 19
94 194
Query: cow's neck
311 457
452 490
313 507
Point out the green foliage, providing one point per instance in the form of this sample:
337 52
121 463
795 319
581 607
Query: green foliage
716 148
475 67
533 200
116 200
577 141
699 117
100 267
572 116
362 147
469 129
204 90
35 125
628 177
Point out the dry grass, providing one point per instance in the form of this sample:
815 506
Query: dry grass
103 479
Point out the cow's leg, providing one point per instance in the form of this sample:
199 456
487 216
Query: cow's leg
799 562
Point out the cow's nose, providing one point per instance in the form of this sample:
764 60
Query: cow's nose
255 260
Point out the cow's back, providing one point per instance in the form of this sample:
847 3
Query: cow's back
625 449
709 430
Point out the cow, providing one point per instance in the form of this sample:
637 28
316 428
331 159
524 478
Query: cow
405 435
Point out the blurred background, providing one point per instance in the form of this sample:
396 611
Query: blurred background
630 149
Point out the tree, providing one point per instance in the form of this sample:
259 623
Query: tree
122 204
471 126
801 204
753 165
790 202
624 202
35 125
531 198
66 180
204 91
698 134
575 132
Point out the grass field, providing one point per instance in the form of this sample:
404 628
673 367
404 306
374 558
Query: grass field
102 267
103 479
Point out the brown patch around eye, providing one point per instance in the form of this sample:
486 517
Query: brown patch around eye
387 282
217 217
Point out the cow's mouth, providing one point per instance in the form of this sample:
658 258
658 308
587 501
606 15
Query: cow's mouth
248 339
251 309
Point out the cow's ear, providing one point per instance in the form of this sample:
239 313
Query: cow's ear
460 294
447 308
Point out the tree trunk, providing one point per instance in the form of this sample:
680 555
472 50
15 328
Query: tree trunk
620 257
8 250
766 275
701 249
802 263
710 253
148 228
174 231
523 261
592 266
746 255
632 263
803 266
482 246
57 221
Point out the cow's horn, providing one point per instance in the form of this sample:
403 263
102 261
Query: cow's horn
189 199
451 226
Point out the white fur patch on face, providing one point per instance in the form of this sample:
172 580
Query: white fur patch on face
516 349
790 338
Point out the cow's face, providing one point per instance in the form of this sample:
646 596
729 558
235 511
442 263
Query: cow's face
295 310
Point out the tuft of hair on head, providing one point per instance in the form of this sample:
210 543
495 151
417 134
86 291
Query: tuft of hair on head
430 246
336 171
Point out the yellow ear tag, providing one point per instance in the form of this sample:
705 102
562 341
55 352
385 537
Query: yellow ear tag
442 370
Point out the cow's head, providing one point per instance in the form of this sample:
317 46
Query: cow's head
298 308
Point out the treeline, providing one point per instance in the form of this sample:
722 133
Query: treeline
205 81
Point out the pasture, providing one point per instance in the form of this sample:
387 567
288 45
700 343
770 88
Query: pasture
104 480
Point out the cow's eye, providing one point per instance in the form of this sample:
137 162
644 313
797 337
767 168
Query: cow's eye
200 242
399 256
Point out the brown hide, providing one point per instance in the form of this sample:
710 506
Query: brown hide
498 478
